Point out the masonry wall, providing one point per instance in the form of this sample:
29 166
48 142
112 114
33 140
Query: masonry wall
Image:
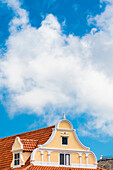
106 164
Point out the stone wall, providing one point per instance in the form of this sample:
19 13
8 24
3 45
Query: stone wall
106 163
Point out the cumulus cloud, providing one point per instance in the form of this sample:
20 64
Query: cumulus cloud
44 70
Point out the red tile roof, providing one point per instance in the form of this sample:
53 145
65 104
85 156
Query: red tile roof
40 135
57 168
29 144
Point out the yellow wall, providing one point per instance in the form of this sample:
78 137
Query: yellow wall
57 142
75 158
91 159
38 156
26 155
64 125
54 157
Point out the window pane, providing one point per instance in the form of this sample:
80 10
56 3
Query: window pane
61 159
15 156
18 155
64 140
67 159
16 162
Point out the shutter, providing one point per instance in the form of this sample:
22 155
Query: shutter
67 159
61 159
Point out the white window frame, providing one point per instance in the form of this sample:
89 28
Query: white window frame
17 159
67 140
64 159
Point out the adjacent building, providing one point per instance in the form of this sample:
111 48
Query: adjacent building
52 148
106 162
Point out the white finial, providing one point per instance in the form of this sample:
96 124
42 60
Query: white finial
64 117
101 157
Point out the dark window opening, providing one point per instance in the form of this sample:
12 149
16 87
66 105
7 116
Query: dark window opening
64 159
64 140
17 159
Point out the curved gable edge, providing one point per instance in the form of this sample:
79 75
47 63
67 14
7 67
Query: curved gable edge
57 128
17 138
76 137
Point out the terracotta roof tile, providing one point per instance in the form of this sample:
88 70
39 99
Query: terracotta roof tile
29 144
57 168
40 135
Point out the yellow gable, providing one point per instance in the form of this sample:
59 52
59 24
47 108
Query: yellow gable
65 129
64 125
16 145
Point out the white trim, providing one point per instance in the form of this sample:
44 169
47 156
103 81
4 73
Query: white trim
87 158
21 154
49 156
62 150
68 130
69 166
64 120
16 159
16 166
50 139
18 142
76 137
80 155
17 150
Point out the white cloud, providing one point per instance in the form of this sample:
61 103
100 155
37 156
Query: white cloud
45 70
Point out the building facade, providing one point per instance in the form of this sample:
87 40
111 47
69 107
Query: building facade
55 147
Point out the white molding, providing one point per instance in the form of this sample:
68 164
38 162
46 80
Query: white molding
76 137
49 140
63 150
32 159
19 143
16 166
17 150
21 155
54 164
64 120
69 130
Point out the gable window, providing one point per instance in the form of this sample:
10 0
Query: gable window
16 159
64 140
64 159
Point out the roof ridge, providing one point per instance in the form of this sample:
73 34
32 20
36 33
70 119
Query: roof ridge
26 132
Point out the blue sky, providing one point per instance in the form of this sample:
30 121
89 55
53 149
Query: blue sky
56 56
